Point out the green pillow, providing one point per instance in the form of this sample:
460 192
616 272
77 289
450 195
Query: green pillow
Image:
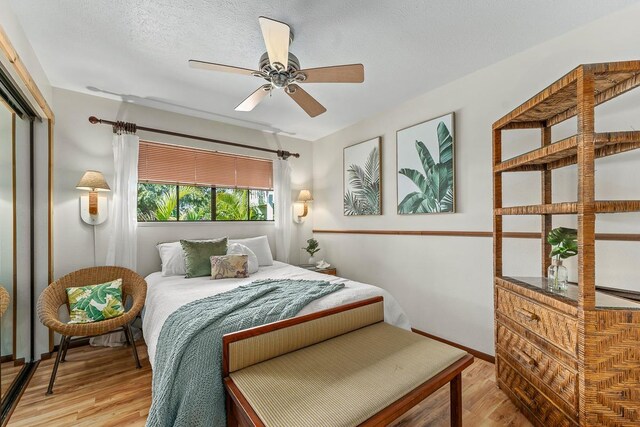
198 253
95 302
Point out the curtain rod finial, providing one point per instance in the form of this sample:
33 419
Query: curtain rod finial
93 120
284 155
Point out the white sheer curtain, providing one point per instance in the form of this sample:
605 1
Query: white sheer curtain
122 240
122 249
283 215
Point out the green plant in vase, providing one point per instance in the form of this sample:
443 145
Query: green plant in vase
312 248
564 244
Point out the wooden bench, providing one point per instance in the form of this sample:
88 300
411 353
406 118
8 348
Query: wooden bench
338 367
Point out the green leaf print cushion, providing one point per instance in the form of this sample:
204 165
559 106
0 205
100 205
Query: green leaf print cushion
95 302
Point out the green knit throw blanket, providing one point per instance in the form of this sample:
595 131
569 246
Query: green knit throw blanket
187 379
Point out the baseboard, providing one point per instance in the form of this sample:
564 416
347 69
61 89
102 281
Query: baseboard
9 358
475 353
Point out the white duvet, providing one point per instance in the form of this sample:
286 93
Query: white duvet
166 294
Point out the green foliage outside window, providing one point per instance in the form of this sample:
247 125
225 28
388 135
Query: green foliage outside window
157 202
261 205
195 203
231 204
161 202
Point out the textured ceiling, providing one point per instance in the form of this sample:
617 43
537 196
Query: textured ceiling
138 50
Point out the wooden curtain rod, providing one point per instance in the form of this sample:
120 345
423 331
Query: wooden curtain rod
132 128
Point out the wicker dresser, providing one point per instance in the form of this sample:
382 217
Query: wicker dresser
572 357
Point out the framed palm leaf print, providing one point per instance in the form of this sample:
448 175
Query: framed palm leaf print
426 173
362 185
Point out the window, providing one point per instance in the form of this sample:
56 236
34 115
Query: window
186 184
161 202
194 203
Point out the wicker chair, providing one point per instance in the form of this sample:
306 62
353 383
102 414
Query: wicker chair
55 296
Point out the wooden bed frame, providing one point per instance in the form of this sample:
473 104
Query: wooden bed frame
240 412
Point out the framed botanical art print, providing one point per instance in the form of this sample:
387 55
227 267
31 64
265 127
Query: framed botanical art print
426 172
362 189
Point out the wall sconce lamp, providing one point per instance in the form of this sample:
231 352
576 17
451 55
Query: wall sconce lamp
304 197
93 209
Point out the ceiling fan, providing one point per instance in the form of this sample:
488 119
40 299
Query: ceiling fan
281 69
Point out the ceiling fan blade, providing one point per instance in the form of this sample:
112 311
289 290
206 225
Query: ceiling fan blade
219 67
306 101
276 37
352 73
254 99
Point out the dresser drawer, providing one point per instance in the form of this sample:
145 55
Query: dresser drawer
534 362
556 328
530 398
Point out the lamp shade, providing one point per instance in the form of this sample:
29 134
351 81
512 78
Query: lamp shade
93 181
305 196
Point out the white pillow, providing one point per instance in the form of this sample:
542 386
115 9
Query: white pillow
259 246
239 249
172 257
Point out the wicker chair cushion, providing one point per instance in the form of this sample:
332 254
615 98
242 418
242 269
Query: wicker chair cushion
95 303
345 380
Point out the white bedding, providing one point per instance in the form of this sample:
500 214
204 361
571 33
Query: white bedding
166 294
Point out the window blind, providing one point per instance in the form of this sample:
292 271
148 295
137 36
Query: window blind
171 164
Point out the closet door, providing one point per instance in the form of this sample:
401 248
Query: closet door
15 247
18 263
26 131
23 237
8 370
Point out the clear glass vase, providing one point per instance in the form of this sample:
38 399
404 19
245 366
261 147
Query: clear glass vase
557 276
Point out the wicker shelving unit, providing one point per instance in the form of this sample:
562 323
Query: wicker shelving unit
570 358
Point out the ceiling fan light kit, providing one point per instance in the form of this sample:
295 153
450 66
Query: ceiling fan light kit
281 69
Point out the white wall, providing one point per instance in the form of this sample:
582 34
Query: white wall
445 283
13 29
80 145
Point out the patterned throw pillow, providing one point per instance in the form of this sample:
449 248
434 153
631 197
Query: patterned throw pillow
95 302
232 266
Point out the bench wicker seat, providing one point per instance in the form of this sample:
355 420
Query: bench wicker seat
367 374
345 380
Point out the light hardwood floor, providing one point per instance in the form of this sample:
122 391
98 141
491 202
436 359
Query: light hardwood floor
8 372
101 387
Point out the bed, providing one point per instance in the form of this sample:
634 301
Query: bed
166 294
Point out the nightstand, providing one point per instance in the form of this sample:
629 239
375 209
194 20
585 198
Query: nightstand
331 270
